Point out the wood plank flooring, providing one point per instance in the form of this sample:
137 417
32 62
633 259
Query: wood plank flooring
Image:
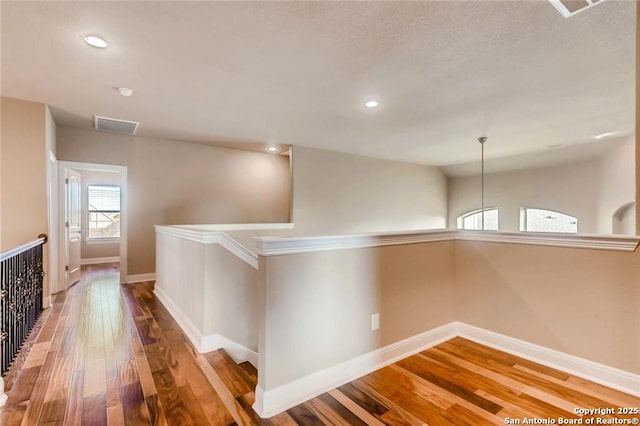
103 358
111 354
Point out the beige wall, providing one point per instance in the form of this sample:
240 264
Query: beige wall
231 298
616 183
569 189
181 276
215 290
171 182
26 137
637 156
316 307
92 250
24 165
337 193
581 302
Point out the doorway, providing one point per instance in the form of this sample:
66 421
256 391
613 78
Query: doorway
93 219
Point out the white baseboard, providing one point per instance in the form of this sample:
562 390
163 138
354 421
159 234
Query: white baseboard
277 400
238 352
97 260
138 278
188 328
605 375
206 343
274 401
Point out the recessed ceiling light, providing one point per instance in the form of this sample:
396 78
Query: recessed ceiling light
96 41
604 135
371 104
125 91
272 149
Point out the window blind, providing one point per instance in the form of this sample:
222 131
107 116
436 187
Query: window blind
104 198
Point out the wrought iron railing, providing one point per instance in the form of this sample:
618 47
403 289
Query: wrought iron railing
21 273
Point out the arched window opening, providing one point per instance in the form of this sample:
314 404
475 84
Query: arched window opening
541 220
473 220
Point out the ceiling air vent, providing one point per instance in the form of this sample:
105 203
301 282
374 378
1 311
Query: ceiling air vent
115 125
568 8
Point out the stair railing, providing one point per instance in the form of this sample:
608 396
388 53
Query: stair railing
21 274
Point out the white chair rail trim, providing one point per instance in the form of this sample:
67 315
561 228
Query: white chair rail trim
274 246
211 237
586 241
235 227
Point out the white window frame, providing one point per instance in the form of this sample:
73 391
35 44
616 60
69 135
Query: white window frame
101 240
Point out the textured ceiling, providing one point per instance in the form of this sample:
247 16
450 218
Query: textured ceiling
298 72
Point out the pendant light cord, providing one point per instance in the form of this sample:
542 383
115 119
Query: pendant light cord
482 140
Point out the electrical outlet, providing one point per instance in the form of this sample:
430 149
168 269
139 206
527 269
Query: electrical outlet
375 322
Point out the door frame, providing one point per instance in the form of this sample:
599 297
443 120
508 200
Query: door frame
124 213
53 226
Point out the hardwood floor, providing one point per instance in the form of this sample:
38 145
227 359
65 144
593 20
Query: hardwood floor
103 358
111 354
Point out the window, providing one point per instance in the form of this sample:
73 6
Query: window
539 220
104 212
473 220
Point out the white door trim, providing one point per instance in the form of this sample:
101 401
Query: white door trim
124 211
52 225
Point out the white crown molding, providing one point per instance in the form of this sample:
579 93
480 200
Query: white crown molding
275 246
98 260
271 402
139 278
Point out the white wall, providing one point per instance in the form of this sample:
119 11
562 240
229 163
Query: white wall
342 193
616 184
570 189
